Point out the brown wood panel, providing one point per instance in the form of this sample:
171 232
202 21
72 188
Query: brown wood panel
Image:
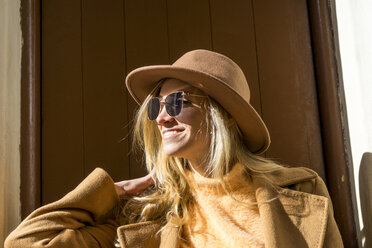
104 96
233 35
30 108
189 27
62 112
146 44
288 90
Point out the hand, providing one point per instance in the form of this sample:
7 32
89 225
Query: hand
134 186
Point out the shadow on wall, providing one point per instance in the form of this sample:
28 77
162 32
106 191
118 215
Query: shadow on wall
365 191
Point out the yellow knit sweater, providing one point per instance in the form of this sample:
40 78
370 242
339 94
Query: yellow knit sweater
217 220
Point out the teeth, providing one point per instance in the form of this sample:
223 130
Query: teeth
169 133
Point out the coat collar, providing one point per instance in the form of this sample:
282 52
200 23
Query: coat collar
290 218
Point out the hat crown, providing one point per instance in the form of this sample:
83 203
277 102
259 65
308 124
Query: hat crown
217 66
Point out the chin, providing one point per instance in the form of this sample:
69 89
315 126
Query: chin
174 151
171 152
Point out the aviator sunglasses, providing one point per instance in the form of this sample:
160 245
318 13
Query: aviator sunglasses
173 104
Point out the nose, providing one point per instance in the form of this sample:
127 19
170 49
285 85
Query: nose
163 116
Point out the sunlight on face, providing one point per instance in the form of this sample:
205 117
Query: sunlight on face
184 135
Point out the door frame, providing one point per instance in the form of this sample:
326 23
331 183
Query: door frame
30 149
331 100
333 118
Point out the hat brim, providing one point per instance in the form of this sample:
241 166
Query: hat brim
142 81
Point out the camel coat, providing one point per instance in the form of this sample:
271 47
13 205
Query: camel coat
300 216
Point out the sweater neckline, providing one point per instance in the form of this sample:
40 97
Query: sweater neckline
234 178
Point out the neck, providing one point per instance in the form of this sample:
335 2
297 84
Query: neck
198 167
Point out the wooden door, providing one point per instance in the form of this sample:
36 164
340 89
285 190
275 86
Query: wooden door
88 47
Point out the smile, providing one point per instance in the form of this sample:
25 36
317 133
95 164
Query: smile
171 133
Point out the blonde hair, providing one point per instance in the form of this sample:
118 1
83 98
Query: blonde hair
171 195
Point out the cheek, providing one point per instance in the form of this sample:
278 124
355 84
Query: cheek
194 126
194 121
193 117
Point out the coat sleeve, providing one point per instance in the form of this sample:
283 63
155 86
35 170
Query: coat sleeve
82 218
332 236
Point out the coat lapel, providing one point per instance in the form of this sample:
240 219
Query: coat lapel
291 218
170 236
139 235
146 234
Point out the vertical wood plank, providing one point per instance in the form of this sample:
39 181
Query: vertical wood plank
146 33
146 44
30 149
62 112
288 90
233 35
188 27
104 96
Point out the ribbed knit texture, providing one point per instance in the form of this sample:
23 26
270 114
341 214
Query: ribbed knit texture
217 220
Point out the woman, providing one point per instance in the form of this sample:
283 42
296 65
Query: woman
207 186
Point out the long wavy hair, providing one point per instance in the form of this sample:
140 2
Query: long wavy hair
170 197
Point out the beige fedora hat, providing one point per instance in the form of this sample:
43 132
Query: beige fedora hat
216 75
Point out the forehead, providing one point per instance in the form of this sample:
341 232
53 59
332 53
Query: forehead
171 85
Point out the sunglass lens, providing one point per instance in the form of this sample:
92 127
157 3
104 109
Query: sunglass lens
153 108
173 103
